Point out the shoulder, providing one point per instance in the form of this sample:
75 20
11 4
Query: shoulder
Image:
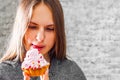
7 65
8 69
68 69
5 68
70 65
66 63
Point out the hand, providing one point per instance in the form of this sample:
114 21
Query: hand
45 76
26 77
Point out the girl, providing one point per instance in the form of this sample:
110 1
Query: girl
39 24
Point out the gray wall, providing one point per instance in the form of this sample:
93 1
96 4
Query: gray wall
93 34
7 14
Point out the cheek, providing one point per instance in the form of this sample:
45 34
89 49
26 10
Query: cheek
51 40
28 38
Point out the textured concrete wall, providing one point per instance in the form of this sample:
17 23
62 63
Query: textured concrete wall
7 14
93 34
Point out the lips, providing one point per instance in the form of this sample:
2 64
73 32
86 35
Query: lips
39 47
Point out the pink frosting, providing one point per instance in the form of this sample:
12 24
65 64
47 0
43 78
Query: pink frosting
34 60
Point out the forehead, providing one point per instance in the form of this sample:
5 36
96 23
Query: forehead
42 14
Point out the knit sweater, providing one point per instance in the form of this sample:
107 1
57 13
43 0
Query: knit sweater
59 70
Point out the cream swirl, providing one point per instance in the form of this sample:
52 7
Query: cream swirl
34 60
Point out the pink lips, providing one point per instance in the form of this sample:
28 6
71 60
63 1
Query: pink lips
39 47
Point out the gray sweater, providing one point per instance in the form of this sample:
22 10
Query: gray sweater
59 70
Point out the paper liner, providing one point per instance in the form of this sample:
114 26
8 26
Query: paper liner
36 72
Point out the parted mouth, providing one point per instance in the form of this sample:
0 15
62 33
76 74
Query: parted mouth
39 47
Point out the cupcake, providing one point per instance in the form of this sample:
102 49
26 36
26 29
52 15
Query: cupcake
34 63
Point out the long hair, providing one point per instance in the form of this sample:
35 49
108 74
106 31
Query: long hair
16 50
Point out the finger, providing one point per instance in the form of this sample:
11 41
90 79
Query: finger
46 76
26 77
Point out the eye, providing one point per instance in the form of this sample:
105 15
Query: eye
32 27
49 29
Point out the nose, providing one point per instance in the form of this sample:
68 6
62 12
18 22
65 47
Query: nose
40 36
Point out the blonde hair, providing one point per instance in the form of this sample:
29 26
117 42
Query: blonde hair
15 50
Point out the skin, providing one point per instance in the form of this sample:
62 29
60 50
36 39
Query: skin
40 33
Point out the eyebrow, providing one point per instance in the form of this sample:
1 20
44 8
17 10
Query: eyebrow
33 23
48 25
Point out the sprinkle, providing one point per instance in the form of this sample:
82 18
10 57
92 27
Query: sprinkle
38 61
29 66
40 56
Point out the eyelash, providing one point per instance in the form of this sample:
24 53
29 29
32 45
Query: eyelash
49 29
35 27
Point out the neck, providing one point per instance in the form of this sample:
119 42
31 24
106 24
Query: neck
47 58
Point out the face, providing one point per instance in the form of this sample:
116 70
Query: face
40 33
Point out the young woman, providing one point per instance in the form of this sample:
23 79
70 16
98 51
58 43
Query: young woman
39 24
